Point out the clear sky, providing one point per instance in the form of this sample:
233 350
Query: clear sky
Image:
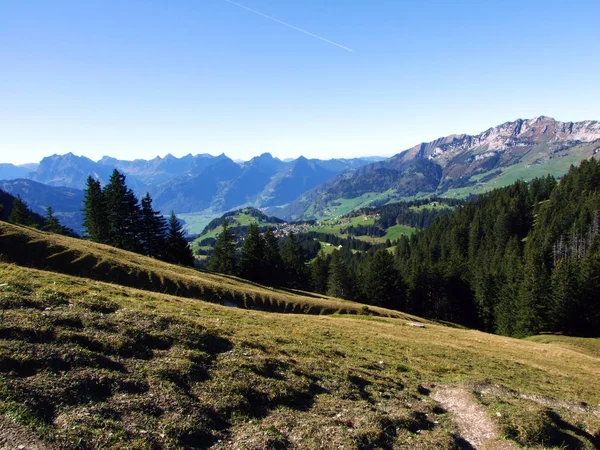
136 79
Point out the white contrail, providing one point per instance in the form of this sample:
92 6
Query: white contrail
289 25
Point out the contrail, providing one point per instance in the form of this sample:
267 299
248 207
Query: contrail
289 25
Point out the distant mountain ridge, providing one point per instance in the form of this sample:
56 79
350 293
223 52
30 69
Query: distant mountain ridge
192 183
456 164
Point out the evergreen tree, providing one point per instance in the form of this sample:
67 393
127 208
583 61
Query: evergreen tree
567 309
533 301
340 282
51 223
123 213
293 262
380 283
95 215
589 281
320 273
272 262
252 262
177 249
223 256
512 272
21 214
153 227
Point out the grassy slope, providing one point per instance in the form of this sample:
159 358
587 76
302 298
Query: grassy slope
335 226
240 219
102 365
42 250
526 170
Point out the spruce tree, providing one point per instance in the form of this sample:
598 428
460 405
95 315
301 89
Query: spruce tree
95 215
123 213
532 306
177 249
253 255
320 273
21 214
222 259
512 272
589 281
51 223
340 282
380 280
153 227
293 262
272 262
567 309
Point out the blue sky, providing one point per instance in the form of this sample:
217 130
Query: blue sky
136 79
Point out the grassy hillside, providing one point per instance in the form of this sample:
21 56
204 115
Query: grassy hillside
88 364
47 251
239 221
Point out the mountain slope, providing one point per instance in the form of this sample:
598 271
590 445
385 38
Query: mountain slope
38 249
458 165
90 364
10 171
195 183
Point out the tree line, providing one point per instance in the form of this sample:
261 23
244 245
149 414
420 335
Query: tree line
516 261
262 257
113 215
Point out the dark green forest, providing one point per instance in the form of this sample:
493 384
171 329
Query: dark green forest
113 215
517 261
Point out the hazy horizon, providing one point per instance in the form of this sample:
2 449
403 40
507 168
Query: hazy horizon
319 79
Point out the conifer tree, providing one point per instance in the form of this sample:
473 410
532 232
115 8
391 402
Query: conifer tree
380 280
253 255
533 301
123 213
51 223
273 265
589 281
153 229
95 215
293 262
21 214
512 271
177 249
567 311
340 282
320 273
223 256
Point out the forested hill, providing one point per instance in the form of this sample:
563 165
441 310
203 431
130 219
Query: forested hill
242 217
525 259
517 261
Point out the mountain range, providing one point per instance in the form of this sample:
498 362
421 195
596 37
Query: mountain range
193 183
453 166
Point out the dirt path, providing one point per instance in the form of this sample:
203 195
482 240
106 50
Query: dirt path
472 419
17 437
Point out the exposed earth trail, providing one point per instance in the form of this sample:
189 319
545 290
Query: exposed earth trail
472 419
